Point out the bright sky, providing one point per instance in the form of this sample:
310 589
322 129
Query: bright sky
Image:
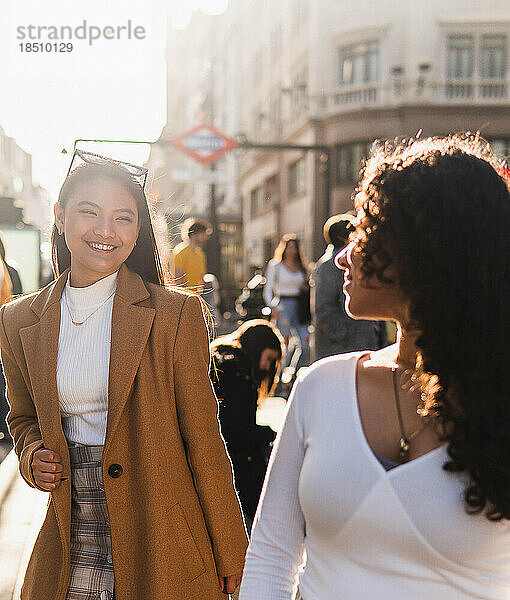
111 87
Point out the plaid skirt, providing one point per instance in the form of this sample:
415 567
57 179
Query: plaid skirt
91 574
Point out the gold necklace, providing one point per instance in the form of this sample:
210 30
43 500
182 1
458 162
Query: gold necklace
405 440
80 323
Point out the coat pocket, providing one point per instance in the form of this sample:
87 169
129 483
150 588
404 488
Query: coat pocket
188 549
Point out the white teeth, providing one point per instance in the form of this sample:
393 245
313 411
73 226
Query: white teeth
101 246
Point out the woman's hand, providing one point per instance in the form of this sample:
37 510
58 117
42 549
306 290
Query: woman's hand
275 313
230 584
47 469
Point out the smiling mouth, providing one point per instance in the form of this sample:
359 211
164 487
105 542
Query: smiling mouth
101 247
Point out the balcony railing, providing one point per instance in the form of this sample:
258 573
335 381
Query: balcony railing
399 91
481 90
352 96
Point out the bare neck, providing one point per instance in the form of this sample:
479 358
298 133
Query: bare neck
406 343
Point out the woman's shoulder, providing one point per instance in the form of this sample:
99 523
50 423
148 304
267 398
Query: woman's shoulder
169 297
20 306
339 364
330 379
18 314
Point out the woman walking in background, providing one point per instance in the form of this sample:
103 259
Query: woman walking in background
288 294
114 415
392 471
243 372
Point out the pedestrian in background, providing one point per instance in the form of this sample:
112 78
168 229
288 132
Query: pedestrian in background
243 371
334 331
5 295
391 476
5 283
113 411
17 288
287 292
189 261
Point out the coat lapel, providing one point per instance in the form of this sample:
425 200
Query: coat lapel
131 326
40 346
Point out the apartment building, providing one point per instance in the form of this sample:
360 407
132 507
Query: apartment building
342 74
16 184
337 75
203 87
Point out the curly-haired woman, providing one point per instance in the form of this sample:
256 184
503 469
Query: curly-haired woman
392 472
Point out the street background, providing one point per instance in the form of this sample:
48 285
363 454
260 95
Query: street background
302 87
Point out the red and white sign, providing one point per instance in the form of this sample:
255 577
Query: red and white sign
204 143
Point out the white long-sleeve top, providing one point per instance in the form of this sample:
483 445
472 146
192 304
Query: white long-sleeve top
83 360
361 532
281 281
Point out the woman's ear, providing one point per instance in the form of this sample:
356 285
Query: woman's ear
58 211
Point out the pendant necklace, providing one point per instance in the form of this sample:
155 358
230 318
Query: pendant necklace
404 439
80 323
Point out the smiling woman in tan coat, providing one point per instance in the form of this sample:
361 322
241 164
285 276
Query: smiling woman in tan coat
113 413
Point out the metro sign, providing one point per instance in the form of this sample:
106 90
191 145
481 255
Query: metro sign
204 143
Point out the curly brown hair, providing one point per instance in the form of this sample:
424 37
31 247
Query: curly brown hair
438 209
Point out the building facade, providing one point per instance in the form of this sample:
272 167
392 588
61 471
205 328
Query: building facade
16 184
202 84
343 74
334 74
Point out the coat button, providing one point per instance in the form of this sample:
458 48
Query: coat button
115 471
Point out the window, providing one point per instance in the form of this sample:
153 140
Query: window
257 67
297 177
256 200
276 43
299 13
275 109
272 193
231 252
359 64
460 56
257 120
299 87
493 57
349 158
474 56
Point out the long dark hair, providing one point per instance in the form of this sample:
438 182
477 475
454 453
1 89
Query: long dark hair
439 209
144 259
253 337
281 249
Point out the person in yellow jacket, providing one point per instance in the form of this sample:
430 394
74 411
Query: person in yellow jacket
189 261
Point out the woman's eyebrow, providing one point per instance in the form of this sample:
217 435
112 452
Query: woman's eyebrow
89 203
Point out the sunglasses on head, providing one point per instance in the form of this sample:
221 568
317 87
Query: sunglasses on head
82 157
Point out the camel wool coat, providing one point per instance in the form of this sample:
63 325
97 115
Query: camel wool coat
174 515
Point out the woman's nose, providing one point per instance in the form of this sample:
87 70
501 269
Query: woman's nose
104 228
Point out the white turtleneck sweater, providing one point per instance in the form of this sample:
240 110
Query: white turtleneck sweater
83 360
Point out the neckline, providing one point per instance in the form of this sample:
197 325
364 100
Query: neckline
290 270
90 296
364 442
